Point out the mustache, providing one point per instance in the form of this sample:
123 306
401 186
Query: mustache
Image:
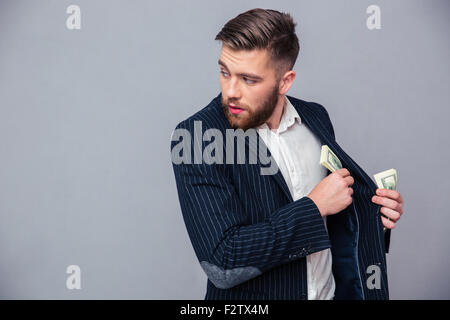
235 104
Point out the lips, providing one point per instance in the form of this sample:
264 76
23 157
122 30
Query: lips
235 109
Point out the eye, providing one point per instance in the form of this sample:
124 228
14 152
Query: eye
249 81
225 74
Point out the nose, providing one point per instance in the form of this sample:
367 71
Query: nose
232 90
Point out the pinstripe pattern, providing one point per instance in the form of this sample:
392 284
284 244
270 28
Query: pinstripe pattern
248 228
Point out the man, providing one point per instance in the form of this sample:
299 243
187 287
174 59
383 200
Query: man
300 232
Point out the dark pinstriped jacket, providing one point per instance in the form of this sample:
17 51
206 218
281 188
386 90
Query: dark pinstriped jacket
252 239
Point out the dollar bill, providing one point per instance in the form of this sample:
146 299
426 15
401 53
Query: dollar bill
386 180
329 160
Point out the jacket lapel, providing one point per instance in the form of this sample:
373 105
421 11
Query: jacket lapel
279 178
252 148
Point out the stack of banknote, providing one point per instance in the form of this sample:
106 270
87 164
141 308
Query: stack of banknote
329 160
386 179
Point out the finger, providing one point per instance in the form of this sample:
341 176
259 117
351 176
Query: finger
391 214
386 202
343 172
393 194
350 190
387 223
349 180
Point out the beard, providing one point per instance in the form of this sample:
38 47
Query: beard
248 118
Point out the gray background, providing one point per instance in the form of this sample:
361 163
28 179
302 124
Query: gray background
86 117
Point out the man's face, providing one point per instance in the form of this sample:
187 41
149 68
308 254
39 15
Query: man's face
248 83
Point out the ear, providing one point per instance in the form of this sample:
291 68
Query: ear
286 81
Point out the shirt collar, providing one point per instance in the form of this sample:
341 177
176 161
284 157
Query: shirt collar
290 115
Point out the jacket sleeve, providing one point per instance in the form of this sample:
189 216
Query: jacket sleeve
229 249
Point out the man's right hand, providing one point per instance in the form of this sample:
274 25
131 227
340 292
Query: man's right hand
334 193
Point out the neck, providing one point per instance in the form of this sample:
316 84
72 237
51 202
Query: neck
274 121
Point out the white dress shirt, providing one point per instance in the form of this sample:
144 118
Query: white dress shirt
297 152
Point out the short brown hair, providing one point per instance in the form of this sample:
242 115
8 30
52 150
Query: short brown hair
264 29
